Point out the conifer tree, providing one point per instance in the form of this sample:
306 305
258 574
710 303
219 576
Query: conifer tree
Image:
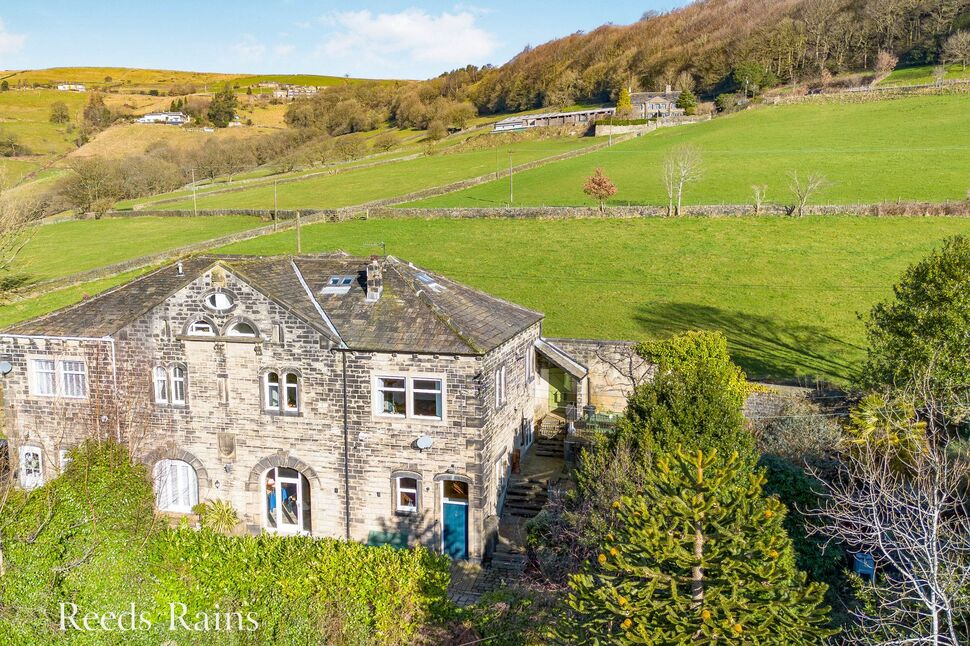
624 103
699 557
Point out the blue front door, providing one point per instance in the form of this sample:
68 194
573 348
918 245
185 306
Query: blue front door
456 530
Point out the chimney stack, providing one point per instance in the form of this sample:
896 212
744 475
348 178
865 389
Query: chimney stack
667 92
375 279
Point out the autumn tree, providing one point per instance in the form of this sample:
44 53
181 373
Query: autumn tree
599 187
885 62
624 104
96 114
681 167
698 556
15 230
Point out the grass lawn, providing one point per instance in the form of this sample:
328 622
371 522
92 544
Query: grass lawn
785 291
69 247
912 149
362 185
923 75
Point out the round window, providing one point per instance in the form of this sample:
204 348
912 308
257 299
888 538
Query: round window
219 301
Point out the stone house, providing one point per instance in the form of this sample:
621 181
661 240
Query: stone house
647 105
328 395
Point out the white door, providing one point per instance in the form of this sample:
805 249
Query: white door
287 501
31 467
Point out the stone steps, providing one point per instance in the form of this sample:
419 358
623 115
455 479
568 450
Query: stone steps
506 560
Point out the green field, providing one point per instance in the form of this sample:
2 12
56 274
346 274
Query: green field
362 185
912 149
27 115
785 291
924 75
57 250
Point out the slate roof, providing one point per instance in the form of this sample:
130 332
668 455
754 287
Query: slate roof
419 311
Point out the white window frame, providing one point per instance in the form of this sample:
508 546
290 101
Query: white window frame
160 384
179 494
501 385
34 479
267 404
286 386
232 331
378 400
282 388
530 364
80 377
58 377
179 383
211 301
191 331
35 382
399 489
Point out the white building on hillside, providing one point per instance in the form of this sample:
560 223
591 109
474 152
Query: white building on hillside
171 118
70 87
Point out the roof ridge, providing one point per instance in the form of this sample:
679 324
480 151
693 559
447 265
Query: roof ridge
316 303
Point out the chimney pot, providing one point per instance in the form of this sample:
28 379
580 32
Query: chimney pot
668 89
375 279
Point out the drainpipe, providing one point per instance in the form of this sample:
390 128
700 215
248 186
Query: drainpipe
346 450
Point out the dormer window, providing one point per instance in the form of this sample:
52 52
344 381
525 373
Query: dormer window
219 301
201 328
241 330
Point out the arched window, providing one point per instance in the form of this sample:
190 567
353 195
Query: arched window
201 328
161 385
292 401
287 501
281 392
178 385
272 397
406 495
176 486
241 329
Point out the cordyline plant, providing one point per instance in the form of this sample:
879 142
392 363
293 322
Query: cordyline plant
699 557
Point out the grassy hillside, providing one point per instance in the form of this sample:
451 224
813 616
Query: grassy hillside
134 138
294 79
121 77
912 149
361 185
924 75
57 250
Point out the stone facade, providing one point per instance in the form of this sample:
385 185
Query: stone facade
337 438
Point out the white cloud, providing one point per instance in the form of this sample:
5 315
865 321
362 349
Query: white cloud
284 50
249 49
411 36
10 43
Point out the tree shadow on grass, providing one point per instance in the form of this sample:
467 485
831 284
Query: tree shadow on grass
10 282
768 349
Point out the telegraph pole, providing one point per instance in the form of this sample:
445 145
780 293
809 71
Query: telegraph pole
195 202
511 194
299 242
276 217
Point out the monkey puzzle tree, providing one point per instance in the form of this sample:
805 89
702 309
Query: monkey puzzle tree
699 557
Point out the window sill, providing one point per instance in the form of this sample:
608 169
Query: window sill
406 514
284 413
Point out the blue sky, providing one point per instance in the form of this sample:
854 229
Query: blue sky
378 39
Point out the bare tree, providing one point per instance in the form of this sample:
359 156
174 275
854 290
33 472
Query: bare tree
804 189
957 49
758 192
899 496
15 227
681 167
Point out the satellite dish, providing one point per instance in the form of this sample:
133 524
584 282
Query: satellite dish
424 442
5 368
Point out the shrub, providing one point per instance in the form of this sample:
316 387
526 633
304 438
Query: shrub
801 432
217 515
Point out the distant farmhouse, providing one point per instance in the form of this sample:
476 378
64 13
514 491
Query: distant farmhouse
171 118
71 87
291 92
647 105
526 121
